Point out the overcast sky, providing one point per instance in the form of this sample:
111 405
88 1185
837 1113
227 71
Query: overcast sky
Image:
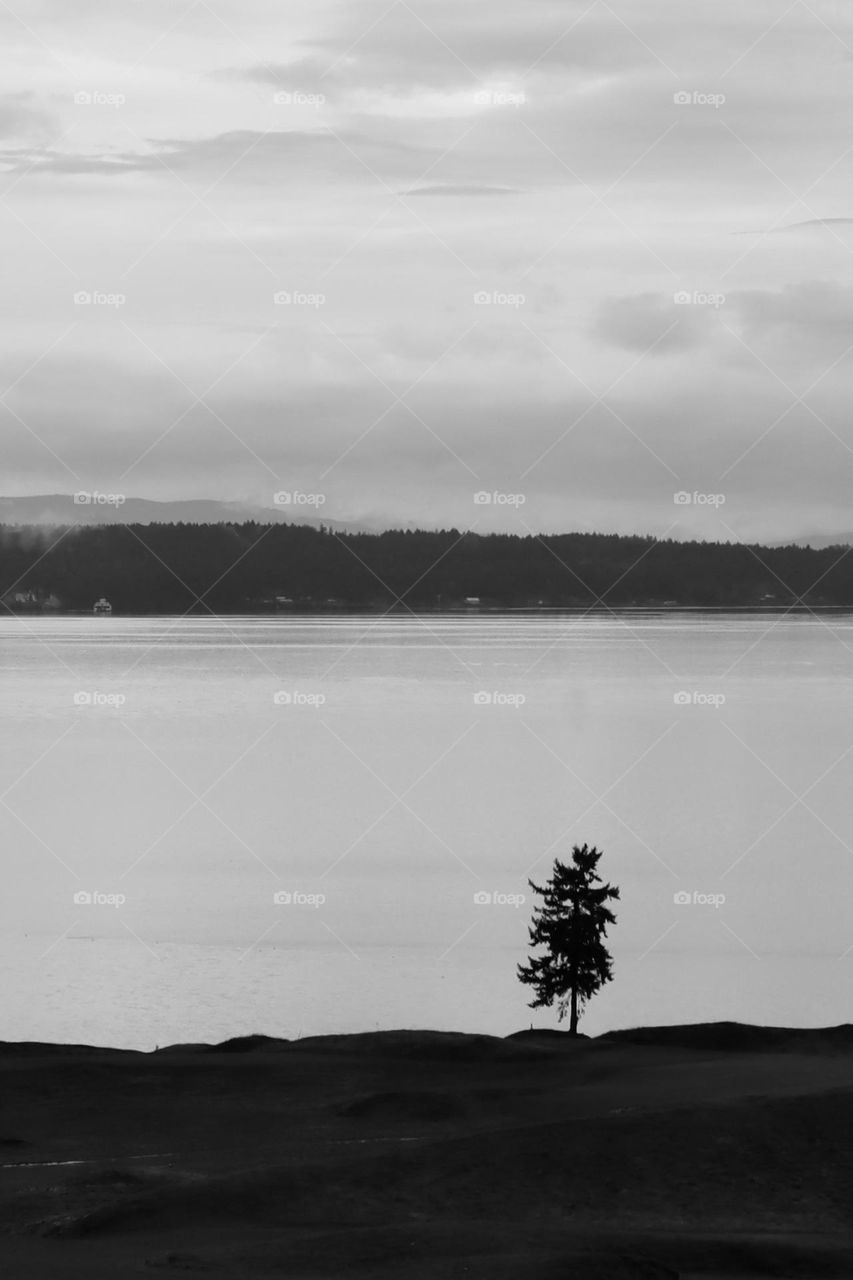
383 164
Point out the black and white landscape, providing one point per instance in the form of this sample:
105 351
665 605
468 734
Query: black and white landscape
426 639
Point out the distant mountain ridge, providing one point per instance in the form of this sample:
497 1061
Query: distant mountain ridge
64 509
818 541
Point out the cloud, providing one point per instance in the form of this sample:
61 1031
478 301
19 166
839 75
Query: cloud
303 72
813 222
808 322
462 189
22 116
45 160
259 156
399 49
652 323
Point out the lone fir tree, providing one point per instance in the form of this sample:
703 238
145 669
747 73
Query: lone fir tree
571 924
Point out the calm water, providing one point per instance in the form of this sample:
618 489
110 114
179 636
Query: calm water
195 768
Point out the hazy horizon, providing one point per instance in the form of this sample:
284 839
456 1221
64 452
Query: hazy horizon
101 508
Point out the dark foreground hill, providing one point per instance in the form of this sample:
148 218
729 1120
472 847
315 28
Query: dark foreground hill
706 1151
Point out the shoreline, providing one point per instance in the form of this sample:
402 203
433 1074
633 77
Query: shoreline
467 611
721 1037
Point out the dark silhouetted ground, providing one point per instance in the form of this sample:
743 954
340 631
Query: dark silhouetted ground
707 1151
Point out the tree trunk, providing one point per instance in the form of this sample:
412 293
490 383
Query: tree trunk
573 974
573 1024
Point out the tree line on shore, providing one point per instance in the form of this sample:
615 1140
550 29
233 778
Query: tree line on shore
242 567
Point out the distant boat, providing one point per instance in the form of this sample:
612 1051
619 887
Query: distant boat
102 607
